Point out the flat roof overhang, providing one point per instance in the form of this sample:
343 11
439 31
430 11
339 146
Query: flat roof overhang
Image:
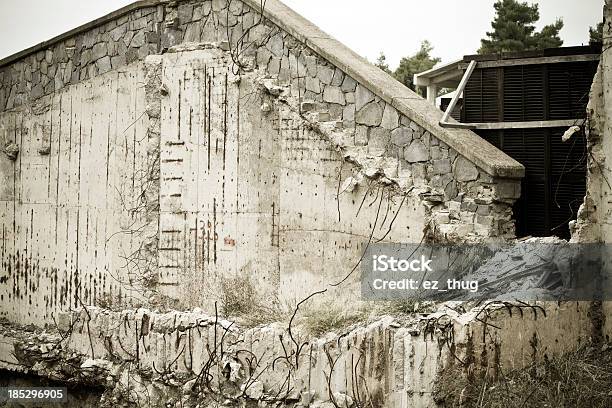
446 76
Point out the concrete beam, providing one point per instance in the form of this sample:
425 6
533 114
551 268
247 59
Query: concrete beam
534 61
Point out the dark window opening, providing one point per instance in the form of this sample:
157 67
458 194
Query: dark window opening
555 182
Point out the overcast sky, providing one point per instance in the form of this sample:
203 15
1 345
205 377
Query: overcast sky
396 27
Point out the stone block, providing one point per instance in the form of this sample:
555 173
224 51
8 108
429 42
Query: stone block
313 96
333 94
348 84
98 51
139 24
313 85
274 66
118 32
218 5
419 171
335 111
390 118
442 166
118 61
152 37
131 55
465 170
325 74
417 151
338 78
104 65
185 13
138 40
361 136
401 136
311 65
370 115
470 206
127 38
192 33
486 220
236 8
508 189
483 210
348 114
363 96
276 45
436 153
379 138
308 106
442 217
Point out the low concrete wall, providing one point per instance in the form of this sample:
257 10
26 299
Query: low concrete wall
158 358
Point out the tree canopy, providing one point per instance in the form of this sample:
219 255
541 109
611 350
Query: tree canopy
381 62
596 33
514 29
417 63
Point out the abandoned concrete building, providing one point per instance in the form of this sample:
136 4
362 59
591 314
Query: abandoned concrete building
172 155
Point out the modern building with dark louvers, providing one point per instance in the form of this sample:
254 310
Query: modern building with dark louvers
524 103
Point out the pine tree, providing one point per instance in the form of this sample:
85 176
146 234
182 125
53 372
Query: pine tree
514 29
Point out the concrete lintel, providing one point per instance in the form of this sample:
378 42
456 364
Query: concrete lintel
528 125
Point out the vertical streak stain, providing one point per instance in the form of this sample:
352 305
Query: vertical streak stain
224 121
208 115
214 235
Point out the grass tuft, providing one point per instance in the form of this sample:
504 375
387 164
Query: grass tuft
239 299
581 379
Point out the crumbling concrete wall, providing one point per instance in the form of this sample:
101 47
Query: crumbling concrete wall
182 359
285 186
594 223
277 156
